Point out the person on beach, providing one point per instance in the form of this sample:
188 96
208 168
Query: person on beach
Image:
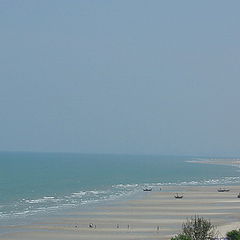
90 225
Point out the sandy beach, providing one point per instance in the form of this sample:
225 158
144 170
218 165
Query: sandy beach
119 119
141 218
218 161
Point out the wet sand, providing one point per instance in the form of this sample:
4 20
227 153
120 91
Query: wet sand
141 218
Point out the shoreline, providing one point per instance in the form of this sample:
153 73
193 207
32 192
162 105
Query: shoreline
139 218
148 215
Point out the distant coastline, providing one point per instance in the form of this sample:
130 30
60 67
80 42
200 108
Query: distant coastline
218 161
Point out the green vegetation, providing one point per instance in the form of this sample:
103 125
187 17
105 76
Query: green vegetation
234 234
196 228
181 237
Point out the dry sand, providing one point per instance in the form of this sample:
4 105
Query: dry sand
218 161
143 217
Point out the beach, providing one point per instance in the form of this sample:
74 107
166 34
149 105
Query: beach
156 215
119 119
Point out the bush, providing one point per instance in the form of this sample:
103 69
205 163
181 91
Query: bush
234 234
181 237
197 228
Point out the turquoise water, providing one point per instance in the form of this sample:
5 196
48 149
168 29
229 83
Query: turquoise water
43 183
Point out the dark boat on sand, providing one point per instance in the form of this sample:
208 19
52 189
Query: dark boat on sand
178 196
223 190
147 189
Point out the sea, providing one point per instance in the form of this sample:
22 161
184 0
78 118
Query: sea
34 185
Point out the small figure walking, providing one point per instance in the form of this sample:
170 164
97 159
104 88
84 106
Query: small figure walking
90 225
158 228
117 225
128 226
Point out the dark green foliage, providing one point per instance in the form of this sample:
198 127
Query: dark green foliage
234 234
197 228
181 237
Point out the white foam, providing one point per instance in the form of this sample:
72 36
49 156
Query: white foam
96 192
22 213
35 201
42 200
48 197
125 186
78 194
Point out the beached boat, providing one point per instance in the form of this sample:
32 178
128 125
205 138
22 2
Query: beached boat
147 189
178 196
223 190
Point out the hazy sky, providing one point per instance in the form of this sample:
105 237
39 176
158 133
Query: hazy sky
158 77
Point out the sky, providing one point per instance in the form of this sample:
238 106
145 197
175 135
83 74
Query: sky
136 77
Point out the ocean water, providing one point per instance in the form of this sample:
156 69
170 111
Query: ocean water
34 184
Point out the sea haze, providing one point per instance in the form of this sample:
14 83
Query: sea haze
42 183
